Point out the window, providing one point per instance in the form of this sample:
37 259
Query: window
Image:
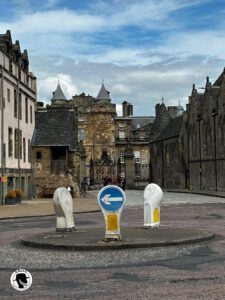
20 143
24 149
122 156
4 153
20 106
10 142
137 170
8 95
167 159
26 110
122 125
10 66
137 157
31 114
16 143
38 155
138 126
29 151
15 104
137 163
121 135
81 135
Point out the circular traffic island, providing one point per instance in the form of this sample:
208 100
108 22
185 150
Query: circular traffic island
92 239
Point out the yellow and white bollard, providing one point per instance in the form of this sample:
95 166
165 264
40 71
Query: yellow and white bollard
111 200
152 201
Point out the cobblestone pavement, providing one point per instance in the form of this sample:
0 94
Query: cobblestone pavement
183 272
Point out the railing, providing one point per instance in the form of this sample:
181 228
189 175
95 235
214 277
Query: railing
59 166
132 140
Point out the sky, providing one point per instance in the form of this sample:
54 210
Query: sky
143 49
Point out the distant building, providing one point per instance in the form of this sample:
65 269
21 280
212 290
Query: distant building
166 166
189 151
56 157
108 148
17 107
96 133
203 137
132 136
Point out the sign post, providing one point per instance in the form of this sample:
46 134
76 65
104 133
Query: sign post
111 199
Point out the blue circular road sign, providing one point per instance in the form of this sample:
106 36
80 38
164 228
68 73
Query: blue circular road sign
111 198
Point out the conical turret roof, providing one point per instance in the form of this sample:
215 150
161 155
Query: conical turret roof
58 94
103 94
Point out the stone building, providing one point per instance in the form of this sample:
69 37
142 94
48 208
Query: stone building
132 147
114 146
202 138
189 151
109 146
96 132
56 155
166 167
164 146
17 107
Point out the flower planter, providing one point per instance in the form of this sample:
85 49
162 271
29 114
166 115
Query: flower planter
12 201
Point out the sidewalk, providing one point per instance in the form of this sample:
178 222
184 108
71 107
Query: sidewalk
198 192
44 207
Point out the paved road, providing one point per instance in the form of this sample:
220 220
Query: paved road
183 272
135 198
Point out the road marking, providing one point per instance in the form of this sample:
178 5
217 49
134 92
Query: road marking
107 200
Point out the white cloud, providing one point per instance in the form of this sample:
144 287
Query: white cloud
57 21
47 85
77 48
208 42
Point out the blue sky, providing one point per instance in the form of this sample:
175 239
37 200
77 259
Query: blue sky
143 49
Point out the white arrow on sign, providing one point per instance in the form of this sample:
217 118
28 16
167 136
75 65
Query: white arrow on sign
107 200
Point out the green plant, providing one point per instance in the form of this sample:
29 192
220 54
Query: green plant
18 192
11 194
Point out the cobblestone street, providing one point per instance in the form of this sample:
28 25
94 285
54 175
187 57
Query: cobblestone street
194 271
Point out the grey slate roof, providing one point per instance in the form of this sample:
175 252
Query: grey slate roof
139 122
103 94
55 128
58 94
219 79
172 130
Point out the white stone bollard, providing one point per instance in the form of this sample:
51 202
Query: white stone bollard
152 202
63 205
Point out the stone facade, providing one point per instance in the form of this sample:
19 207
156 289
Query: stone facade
49 178
17 100
190 154
57 157
109 146
202 138
96 130
112 147
166 164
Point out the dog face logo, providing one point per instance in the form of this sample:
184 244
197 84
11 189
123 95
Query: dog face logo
21 280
